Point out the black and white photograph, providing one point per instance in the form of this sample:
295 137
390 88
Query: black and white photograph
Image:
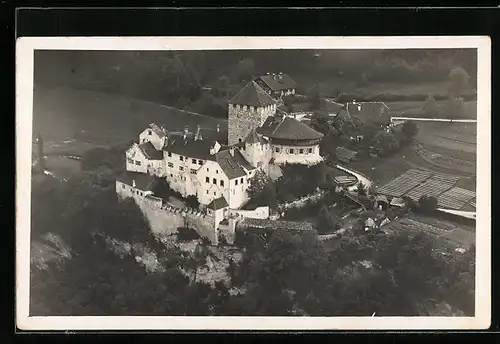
210 181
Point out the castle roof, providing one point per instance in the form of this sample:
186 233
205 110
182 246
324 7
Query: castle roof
150 151
276 83
160 131
252 94
288 128
189 147
230 165
143 181
218 203
253 137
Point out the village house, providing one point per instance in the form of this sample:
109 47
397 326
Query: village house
277 85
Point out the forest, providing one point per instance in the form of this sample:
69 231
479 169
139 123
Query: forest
203 81
290 274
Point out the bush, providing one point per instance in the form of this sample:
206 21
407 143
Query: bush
192 202
187 234
427 204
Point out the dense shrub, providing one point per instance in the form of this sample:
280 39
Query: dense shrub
187 234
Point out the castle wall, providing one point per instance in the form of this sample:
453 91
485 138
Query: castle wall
257 213
295 154
242 119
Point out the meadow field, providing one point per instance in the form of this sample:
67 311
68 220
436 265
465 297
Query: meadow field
73 121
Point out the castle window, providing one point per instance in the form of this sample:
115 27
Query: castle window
193 161
171 175
138 163
169 154
207 192
217 171
215 194
208 170
170 164
181 158
123 186
215 181
291 150
193 171
200 162
239 140
277 150
241 180
301 151
181 168
207 180
149 132
236 182
221 183
130 161
310 150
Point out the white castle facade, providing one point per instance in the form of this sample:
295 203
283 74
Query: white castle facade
217 170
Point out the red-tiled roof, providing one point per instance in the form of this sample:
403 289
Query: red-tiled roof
288 128
253 95
276 83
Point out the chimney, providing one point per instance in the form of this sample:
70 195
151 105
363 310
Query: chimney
133 183
185 132
274 75
280 75
231 150
218 127
197 136
268 73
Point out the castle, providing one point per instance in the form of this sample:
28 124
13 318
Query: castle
217 170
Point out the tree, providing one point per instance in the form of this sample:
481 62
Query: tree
315 98
257 184
361 189
410 129
192 202
326 221
427 204
245 69
385 142
430 107
455 107
459 81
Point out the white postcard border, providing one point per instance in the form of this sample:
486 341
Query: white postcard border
24 111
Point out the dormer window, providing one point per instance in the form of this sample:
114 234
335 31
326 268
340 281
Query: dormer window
150 132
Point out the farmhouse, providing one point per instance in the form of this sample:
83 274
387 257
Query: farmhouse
376 113
345 155
277 85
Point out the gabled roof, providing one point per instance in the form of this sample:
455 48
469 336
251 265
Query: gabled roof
189 147
288 128
369 111
150 151
218 203
253 137
276 83
240 159
229 164
160 131
252 94
345 153
143 181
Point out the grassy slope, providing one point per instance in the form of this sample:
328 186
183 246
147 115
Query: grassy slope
103 119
